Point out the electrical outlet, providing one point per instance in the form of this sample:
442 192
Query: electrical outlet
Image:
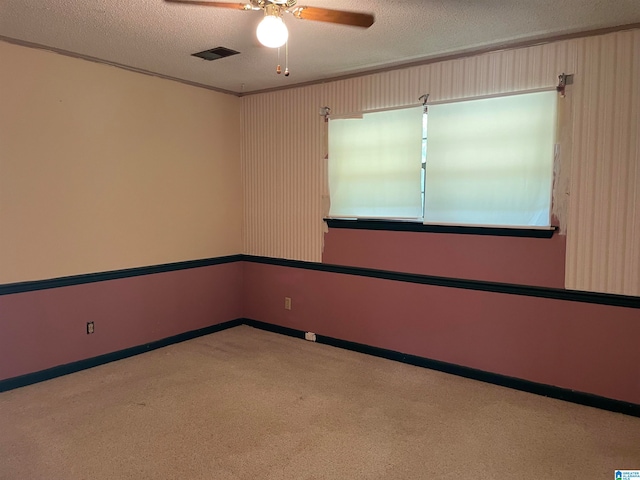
90 328
310 336
287 303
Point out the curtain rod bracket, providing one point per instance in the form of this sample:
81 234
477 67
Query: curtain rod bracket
424 99
563 81
325 112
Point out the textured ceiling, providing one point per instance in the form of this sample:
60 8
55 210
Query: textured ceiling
158 37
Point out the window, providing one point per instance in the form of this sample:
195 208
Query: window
375 165
486 162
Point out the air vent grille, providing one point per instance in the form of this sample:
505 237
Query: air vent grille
215 53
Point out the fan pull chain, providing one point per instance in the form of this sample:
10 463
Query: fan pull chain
286 59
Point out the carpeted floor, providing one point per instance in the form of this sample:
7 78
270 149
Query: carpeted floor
248 404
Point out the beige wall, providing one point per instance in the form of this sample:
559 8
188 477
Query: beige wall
103 169
603 241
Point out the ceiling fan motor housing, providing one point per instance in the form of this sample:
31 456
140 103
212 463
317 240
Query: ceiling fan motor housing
280 3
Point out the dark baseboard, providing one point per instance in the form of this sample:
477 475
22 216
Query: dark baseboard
60 370
559 393
270 327
551 391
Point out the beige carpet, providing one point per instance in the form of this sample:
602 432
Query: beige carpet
248 404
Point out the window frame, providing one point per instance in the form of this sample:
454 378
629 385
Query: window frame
418 225
413 226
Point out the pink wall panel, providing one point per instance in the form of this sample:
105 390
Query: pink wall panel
46 328
586 347
522 261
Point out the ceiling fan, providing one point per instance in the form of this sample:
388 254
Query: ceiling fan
272 32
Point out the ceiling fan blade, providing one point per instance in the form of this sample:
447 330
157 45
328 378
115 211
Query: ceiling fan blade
364 20
235 6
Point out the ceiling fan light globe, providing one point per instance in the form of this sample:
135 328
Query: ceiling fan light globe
272 32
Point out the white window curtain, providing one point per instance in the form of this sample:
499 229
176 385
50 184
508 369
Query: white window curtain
375 165
490 161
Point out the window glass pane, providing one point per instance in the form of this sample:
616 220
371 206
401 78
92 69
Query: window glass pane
375 165
490 161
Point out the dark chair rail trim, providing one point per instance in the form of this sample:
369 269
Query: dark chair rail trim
11 288
507 288
496 287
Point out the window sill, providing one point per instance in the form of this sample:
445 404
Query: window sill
403 226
